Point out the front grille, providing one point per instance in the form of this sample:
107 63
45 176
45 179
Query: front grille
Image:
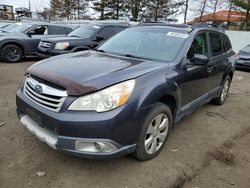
45 44
44 95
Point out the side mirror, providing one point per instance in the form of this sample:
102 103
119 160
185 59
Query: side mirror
99 38
199 59
31 32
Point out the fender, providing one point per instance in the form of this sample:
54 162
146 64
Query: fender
12 41
158 86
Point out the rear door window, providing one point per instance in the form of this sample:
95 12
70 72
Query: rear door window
216 44
107 32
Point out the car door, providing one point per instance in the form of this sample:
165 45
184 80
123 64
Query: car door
218 60
196 79
35 35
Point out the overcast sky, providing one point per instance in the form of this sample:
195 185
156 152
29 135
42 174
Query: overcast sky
35 4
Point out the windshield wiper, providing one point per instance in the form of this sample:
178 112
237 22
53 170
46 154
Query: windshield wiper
99 50
136 57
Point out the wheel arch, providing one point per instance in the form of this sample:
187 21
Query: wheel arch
13 43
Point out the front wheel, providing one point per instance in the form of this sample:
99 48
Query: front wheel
154 132
11 53
224 92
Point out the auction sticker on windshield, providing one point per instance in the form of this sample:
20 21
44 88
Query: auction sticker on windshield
179 35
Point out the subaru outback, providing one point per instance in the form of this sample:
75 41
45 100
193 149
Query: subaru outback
125 96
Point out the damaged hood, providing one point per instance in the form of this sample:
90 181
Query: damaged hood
85 72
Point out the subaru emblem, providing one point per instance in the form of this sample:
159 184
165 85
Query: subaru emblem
38 88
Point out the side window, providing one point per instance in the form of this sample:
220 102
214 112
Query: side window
227 43
216 44
199 46
68 30
107 32
56 30
40 30
119 29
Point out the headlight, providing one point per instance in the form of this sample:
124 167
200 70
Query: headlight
61 45
106 99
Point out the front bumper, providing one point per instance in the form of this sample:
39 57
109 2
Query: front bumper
62 130
242 64
45 53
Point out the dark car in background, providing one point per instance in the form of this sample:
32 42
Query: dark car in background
21 39
83 38
126 95
243 58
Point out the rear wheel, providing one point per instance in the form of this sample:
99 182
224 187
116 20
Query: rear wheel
11 53
224 92
154 133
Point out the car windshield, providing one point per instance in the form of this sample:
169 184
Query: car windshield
246 49
84 31
146 43
18 28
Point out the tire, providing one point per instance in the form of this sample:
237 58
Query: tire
151 139
11 53
224 92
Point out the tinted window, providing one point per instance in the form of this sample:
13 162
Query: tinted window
40 30
227 43
68 30
146 43
216 44
84 31
107 32
56 30
119 29
199 46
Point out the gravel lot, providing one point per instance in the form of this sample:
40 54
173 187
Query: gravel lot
209 148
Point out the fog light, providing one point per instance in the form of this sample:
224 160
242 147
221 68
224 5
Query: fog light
100 146
95 146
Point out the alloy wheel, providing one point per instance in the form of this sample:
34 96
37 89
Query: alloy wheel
156 133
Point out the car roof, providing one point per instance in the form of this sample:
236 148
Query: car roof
184 27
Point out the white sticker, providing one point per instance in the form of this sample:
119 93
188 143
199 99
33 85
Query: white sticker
179 35
96 26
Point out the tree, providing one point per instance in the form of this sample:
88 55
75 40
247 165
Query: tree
186 6
55 8
162 9
44 14
203 5
215 5
245 5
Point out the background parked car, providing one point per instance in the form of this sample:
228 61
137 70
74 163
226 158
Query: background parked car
83 38
22 39
243 58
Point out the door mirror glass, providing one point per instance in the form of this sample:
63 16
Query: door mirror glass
199 59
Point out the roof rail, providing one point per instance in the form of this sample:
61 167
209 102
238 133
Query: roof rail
207 25
163 24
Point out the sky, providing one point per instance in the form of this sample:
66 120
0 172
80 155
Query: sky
35 4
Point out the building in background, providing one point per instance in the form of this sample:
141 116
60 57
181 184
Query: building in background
6 12
223 17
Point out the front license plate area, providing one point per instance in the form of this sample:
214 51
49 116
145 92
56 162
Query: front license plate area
34 116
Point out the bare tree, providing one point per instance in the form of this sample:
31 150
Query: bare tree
186 6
